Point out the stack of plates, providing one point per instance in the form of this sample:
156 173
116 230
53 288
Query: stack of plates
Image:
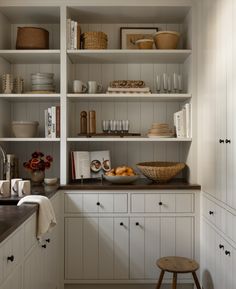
160 130
42 82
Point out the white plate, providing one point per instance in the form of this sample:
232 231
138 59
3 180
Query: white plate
121 179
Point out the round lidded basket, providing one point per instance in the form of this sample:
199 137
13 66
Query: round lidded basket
166 39
94 40
160 171
32 38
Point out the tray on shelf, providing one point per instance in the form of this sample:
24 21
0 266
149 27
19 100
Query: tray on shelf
104 134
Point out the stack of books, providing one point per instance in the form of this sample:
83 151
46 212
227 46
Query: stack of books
52 122
182 122
73 35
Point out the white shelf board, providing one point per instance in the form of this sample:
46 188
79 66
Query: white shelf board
47 56
129 97
34 139
124 139
31 97
129 56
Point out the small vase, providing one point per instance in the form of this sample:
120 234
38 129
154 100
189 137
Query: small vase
37 177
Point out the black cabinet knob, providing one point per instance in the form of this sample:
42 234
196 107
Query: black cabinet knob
137 223
221 246
44 246
98 203
227 253
227 141
160 203
10 258
221 141
121 223
211 213
48 240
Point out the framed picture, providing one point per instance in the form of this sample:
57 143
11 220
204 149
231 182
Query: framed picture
129 35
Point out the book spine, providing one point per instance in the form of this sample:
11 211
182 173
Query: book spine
58 122
49 122
186 106
53 130
75 35
68 33
72 34
46 123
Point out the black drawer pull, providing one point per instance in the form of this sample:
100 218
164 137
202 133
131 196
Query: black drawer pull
160 203
10 258
227 253
221 141
44 246
48 240
137 223
227 141
98 203
211 213
221 246
121 224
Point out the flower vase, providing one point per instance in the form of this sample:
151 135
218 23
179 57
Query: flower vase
37 176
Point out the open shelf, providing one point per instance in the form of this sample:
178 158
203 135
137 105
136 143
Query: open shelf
34 139
129 56
127 139
31 97
48 56
130 97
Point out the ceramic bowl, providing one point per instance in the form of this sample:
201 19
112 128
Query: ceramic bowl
50 181
25 129
144 43
121 179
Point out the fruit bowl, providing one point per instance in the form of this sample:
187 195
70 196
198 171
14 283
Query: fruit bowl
121 179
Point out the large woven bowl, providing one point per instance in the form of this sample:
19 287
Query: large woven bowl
160 171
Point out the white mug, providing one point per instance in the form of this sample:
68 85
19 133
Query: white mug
24 188
79 86
5 188
94 87
15 187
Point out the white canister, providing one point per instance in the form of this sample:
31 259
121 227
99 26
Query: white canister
15 187
5 188
24 188
94 87
79 86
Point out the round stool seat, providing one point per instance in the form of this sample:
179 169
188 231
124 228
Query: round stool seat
177 264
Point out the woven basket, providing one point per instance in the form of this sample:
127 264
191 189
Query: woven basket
32 38
166 39
94 40
160 171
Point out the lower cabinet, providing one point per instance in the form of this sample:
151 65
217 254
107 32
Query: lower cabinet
15 280
122 248
218 258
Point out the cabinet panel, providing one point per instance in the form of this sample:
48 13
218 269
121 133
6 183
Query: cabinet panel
30 234
121 248
15 280
184 203
90 248
105 264
152 203
90 203
137 203
184 231
167 236
73 203
137 248
120 203
168 203
106 203
73 248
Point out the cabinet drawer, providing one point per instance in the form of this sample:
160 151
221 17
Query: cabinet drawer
162 203
30 234
13 252
95 203
209 210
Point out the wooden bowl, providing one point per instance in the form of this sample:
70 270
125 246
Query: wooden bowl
166 39
144 43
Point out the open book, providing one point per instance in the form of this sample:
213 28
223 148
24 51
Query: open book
86 165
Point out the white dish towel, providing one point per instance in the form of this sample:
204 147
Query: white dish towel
46 215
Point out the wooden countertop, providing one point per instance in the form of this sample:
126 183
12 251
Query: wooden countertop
141 184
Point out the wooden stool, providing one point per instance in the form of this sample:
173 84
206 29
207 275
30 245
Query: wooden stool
177 265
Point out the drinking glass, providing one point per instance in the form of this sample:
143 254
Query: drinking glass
169 84
119 125
112 125
180 82
125 126
165 82
105 125
158 83
175 82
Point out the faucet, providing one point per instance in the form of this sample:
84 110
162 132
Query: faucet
4 164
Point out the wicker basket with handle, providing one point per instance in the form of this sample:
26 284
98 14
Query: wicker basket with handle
32 38
160 171
94 40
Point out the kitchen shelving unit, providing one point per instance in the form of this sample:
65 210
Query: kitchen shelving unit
102 66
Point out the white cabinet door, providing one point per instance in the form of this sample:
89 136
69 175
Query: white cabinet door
167 203
137 255
106 248
105 203
15 280
121 248
73 248
152 246
90 203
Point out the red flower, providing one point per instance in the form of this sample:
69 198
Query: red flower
47 165
38 162
35 155
49 159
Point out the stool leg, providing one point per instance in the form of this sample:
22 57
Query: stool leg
174 284
196 280
160 279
